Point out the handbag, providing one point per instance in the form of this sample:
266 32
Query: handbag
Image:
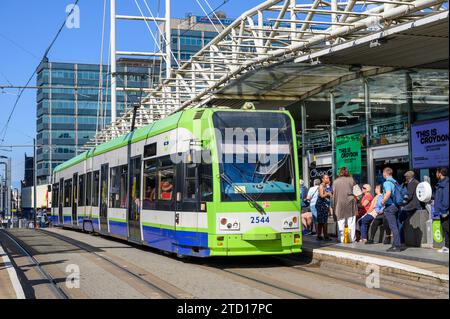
357 190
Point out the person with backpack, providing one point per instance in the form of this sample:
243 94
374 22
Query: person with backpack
392 199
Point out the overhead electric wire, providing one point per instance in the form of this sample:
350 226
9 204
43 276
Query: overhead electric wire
5 128
19 46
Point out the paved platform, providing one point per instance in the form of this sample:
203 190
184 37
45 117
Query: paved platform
418 262
10 287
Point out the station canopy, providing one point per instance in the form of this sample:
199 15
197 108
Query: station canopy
424 46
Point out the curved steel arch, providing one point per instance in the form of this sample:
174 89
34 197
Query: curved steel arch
271 32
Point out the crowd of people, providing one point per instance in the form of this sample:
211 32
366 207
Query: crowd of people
357 211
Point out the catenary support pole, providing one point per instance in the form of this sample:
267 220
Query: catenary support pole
34 182
333 134
113 61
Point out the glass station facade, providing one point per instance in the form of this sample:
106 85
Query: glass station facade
378 113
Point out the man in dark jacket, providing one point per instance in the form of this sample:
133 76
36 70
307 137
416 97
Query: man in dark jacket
441 203
411 203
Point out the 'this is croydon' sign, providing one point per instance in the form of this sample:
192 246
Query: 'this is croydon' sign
430 142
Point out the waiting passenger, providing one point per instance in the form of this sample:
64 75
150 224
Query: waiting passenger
411 203
375 210
441 204
312 196
364 205
323 208
307 222
345 206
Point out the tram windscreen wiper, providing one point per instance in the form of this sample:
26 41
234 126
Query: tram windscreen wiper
250 199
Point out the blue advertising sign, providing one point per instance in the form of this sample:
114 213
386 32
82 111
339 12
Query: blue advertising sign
429 143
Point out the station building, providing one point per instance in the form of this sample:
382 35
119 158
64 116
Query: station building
397 119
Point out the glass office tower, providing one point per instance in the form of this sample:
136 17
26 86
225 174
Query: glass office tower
68 117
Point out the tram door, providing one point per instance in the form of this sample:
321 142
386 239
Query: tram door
61 201
74 199
134 199
104 197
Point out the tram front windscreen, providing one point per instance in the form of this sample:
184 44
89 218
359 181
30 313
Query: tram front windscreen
256 156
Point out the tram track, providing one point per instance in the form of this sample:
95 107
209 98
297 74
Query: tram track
259 282
58 292
167 292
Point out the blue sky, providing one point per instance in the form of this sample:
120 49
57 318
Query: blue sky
27 28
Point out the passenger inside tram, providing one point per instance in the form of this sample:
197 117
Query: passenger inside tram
150 193
166 189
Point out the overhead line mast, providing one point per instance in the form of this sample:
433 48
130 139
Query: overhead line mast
167 55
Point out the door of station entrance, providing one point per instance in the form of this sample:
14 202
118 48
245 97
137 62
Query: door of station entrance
399 167
394 156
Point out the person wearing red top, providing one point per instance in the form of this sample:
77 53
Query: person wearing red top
366 200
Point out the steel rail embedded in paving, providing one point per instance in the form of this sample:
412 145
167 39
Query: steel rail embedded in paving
164 292
58 291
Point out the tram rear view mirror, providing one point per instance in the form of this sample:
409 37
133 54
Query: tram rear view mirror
49 188
178 196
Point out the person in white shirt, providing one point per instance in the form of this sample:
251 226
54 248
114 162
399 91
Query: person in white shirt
313 193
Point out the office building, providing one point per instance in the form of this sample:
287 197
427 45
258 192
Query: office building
191 34
70 109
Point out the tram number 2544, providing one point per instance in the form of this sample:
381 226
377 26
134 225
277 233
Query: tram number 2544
259 220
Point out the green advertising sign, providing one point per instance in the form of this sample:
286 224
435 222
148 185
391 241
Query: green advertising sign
348 153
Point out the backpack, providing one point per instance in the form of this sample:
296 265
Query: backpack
400 193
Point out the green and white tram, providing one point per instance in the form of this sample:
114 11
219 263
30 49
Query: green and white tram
201 182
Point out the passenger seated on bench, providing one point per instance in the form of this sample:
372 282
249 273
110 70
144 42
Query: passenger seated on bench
375 211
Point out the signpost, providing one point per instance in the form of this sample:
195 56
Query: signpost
348 153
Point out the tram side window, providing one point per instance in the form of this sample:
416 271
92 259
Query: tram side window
150 185
191 191
88 188
68 193
81 190
95 188
55 196
206 184
166 183
118 190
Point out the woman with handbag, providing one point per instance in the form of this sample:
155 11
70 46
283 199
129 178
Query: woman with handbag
345 204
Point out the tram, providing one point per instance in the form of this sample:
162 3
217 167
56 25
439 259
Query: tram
201 182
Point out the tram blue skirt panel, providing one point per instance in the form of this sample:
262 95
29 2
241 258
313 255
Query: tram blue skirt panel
118 228
176 241
67 220
96 223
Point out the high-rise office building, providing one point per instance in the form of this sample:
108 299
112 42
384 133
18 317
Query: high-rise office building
70 109
192 33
